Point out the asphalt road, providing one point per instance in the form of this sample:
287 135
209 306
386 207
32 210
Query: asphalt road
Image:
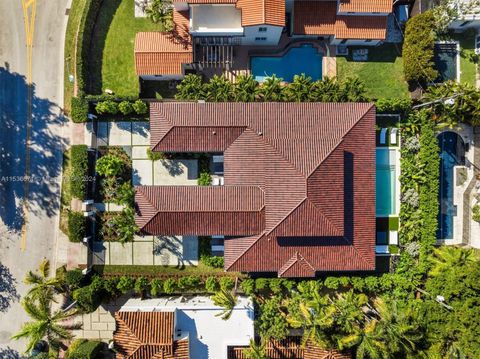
32 139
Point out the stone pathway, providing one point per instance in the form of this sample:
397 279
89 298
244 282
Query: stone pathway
98 325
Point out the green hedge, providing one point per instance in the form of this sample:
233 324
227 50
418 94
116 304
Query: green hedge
418 49
77 224
84 42
79 171
85 349
79 111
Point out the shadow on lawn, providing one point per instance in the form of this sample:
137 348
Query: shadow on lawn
95 60
382 53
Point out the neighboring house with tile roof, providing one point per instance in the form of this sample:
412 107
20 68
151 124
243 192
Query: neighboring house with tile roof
299 184
180 328
343 22
206 31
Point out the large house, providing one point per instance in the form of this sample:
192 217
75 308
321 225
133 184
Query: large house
298 193
211 29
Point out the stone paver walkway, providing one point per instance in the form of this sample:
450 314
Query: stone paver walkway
98 325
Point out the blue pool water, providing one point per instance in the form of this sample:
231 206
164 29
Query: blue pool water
452 153
385 183
298 60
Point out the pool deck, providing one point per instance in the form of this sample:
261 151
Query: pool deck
242 54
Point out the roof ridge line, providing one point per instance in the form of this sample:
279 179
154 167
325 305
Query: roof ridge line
247 249
150 203
131 332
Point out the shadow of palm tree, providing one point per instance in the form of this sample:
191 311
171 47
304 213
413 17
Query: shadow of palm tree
8 291
9 353
45 151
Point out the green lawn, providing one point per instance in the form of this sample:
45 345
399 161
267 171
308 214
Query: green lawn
467 68
112 58
74 17
382 74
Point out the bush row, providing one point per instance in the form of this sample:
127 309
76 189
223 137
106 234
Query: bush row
106 105
125 107
102 290
84 349
77 224
79 171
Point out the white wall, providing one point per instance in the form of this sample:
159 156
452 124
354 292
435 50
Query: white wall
272 34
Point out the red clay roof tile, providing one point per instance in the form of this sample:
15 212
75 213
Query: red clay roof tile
366 6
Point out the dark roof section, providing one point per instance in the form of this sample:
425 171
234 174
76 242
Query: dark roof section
314 164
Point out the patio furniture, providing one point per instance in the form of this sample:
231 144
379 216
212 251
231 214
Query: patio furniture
383 136
393 136
216 181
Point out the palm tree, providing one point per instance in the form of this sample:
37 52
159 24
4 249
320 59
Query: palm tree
368 342
219 89
43 287
272 90
256 351
161 12
326 90
124 224
446 257
45 325
227 300
191 88
246 89
299 90
353 90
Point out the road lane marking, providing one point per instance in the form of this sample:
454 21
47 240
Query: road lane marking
29 13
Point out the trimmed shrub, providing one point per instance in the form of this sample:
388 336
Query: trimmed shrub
109 165
205 179
110 285
154 156
261 283
227 283
125 284
418 49
211 285
79 171
85 349
248 286
125 107
212 261
107 107
74 279
141 285
90 297
393 105
140 107
79 109
156 286
77 224
169 286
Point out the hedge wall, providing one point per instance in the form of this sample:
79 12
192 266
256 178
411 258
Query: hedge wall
77 224
85 349
79 171
84 37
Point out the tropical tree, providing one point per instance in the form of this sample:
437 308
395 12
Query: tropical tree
218 89
46 325
124 225
271 90
447 257
246 89
227 300
191 88
353 90
161 12
256 350
109 165
299 90
43 287
326 90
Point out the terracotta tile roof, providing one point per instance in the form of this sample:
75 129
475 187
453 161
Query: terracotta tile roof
262 12
205 1
314 162
290 348
158 53
210 210
314 17
366 6
148 335
320 18
361 27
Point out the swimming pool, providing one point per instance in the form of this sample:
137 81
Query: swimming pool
298 60
452 153
446 61
385 184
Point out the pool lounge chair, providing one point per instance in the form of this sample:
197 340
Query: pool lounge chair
383 136
393 136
